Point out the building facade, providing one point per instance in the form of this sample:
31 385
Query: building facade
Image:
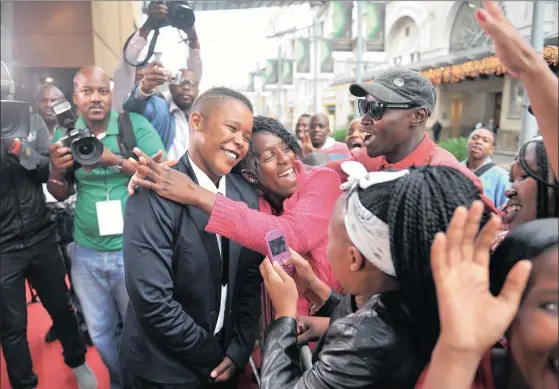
52 39
444 41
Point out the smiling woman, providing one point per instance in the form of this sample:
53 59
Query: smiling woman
294 198
533 194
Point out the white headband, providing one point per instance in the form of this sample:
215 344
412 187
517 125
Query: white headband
366 231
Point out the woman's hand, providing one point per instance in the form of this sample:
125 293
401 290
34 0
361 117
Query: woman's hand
281 288
157 158
472 319
168 183
515 53
311 328
304 276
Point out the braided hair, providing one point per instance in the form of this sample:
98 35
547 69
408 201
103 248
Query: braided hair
545 188
266 124
416 207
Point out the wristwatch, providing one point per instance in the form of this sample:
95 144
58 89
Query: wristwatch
117 168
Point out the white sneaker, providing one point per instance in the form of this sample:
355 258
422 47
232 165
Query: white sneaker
86 378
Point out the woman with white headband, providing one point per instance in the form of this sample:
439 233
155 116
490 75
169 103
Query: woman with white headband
380 236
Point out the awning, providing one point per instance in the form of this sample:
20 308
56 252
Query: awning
449 68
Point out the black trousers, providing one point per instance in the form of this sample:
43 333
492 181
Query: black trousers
43 266
140 383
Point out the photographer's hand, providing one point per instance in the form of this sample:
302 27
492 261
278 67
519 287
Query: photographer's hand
61 157
193 42
157 12
154 76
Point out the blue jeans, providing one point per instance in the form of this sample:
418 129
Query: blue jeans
98 279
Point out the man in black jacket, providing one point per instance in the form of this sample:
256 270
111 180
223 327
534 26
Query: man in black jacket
194 306
28 249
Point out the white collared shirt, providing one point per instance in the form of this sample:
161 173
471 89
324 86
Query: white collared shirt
182 130
329 143
205 182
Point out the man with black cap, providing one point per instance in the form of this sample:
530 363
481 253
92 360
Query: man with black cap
394 109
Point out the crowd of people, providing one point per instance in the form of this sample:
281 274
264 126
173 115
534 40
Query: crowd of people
410 269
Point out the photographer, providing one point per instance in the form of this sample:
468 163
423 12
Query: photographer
126 75
28 247
63 210
97 268
168 115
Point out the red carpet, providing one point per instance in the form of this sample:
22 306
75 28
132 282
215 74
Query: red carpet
48 362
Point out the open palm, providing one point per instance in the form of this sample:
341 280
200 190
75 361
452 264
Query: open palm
471 318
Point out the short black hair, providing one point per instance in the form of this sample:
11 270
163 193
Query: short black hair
485 127
41 91
545 187
416 207
305 115
273 126
222 93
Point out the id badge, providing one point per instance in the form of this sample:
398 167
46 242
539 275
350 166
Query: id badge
109 217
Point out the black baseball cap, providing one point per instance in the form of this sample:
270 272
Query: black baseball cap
399 86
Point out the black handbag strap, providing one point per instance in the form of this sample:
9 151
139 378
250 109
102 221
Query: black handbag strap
483 169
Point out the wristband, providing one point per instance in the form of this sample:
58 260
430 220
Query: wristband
151 93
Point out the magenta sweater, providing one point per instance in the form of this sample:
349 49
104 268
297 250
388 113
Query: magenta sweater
304 221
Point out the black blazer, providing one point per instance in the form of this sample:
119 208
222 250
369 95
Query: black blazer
173 269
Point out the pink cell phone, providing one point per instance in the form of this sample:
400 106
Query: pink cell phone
278 250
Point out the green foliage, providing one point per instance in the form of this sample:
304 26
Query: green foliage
457 147
339 135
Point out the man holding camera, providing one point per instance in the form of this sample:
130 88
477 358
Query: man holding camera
97 266
29 249
126 74
169 116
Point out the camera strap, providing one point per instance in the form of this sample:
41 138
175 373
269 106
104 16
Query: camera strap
126 136
150 52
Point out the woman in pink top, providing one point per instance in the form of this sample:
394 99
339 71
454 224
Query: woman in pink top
295 198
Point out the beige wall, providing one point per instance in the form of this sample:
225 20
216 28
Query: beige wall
66 34
52 34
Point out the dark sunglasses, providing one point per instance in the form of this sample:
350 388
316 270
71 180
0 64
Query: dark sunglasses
376 109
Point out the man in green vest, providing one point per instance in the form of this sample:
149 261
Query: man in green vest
97 267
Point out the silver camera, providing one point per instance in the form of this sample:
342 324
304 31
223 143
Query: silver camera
175 77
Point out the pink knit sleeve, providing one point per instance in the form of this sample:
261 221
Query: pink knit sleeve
305 225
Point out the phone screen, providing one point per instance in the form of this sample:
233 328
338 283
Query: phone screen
278 246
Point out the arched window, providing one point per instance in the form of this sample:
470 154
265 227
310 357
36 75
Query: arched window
466 32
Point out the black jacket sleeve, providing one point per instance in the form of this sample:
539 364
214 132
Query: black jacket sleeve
348 358
329 305
40 148
151 224
247 326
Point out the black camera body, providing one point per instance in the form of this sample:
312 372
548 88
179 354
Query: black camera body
179 15
15 119
85 147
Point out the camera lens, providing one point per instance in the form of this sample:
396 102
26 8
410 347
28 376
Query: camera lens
87 151
14 119
8 122
183 17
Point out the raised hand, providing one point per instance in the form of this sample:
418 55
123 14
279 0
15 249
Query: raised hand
512 49
166 182
138 176
472 319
